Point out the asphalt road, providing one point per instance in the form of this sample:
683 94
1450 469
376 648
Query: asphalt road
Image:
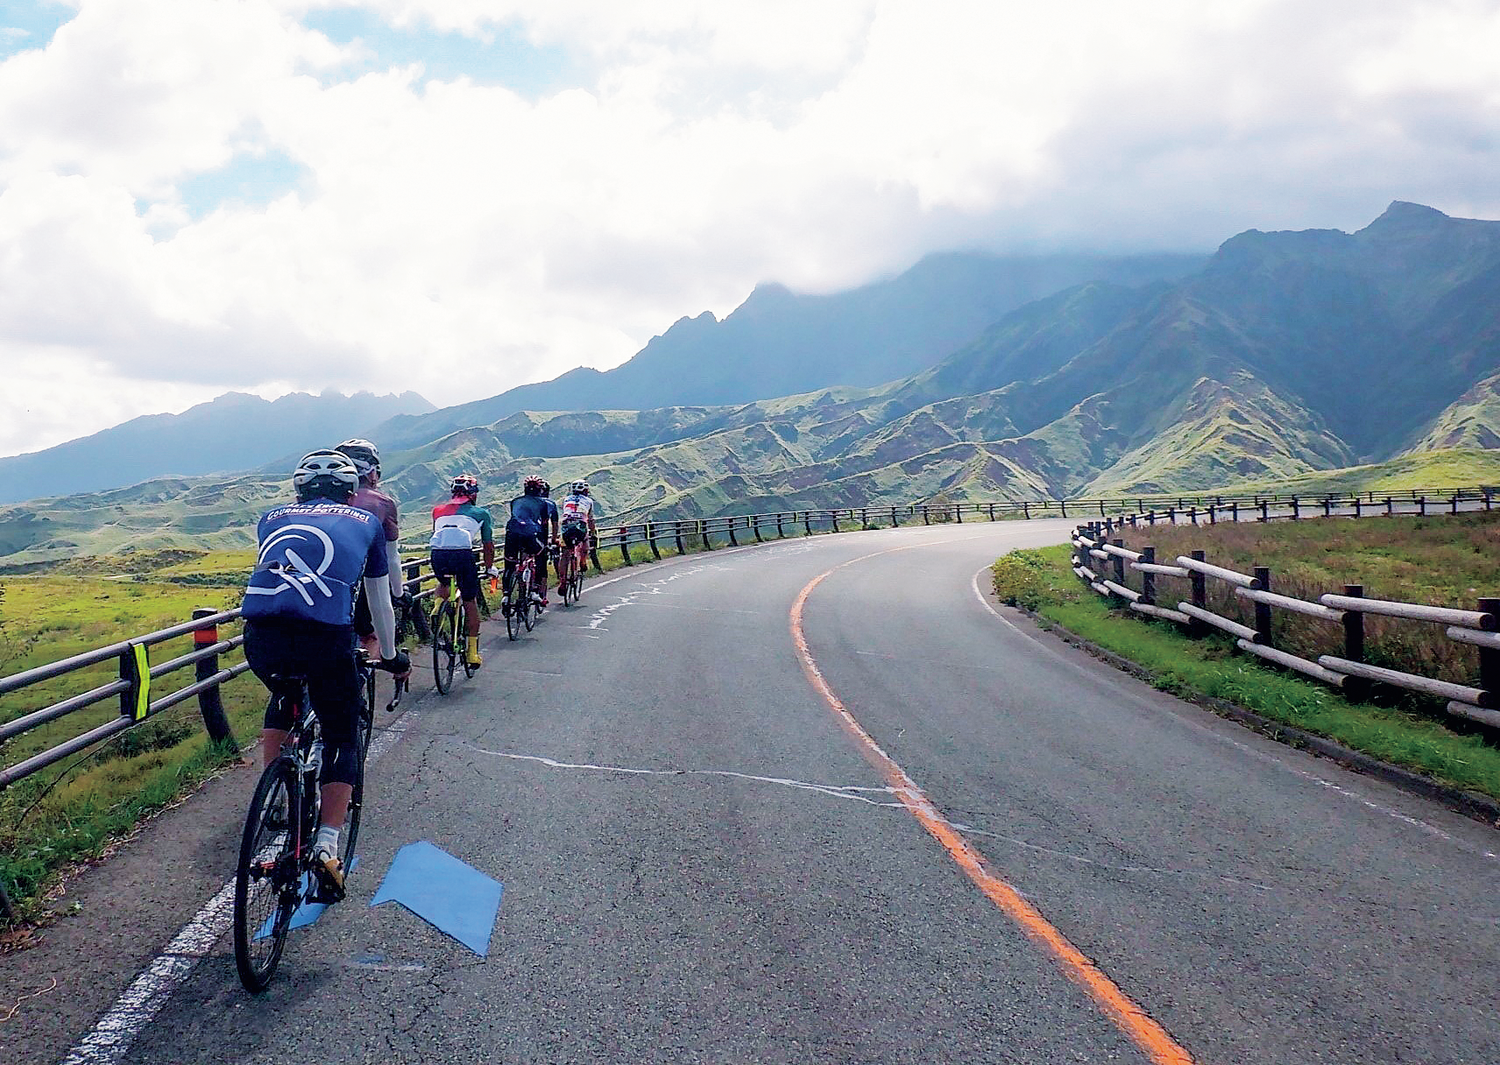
704 860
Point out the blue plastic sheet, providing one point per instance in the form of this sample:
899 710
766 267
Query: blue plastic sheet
452 896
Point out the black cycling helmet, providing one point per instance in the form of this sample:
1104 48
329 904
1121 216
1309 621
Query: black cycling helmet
364 455
325 475
465 484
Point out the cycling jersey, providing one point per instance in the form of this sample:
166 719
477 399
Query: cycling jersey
312 555
577 509
459 523
529 516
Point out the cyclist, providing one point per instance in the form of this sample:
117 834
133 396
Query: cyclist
456 526
366 459
299 612
578 527
526 532
554 541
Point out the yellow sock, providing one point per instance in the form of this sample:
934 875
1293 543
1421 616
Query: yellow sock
471 648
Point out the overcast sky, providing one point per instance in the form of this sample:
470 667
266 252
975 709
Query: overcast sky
458 196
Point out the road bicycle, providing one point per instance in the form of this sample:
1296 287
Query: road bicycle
448 632
570 568
275 877
519 606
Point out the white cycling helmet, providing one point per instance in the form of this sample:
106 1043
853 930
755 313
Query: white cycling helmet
364 455
579 488
325 475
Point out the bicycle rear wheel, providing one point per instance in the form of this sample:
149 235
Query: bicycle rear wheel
528 608
363 730
509 607
268 880
444 651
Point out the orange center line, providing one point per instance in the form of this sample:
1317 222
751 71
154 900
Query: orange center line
1131 1019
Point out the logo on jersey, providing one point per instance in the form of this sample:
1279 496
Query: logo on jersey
296 544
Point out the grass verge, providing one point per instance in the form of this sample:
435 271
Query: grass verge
1042 582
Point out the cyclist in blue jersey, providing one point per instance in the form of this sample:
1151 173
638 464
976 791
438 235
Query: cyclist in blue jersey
526 534
299 622
553 518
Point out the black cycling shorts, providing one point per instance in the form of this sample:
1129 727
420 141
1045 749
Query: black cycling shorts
457 563
574 534
324 655
363 625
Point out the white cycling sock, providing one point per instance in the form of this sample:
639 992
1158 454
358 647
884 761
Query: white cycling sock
327 840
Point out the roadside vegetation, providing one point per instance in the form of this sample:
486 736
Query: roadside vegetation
1447 561
70 811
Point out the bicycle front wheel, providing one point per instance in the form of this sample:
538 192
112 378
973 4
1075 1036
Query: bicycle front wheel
444 649
268 880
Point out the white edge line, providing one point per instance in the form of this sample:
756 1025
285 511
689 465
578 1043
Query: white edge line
1266 756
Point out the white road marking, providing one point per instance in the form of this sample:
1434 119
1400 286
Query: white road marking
837 791
1264 756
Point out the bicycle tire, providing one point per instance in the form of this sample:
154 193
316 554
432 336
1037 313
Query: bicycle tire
270 862
362 734
508 607
445 625
528 608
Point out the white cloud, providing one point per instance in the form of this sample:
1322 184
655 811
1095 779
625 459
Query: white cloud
458 238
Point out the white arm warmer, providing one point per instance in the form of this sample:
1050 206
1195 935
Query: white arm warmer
382 617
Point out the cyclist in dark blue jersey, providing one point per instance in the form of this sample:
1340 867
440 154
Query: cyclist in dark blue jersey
299 622
527 532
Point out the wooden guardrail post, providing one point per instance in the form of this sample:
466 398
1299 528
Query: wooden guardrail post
1454 503
894 522
926 519
703 535
594 553
1148 579
834 515
1063 505
1199 584
1422 506
1390 507
1296 509
1489 657
1265 510
1234 510
733 540
1327 506
651 541
1119 561
625 545
754 521
780 532
210 700
677 536
1354 626
992 512
1263 610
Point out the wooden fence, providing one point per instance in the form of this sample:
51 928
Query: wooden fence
1102 561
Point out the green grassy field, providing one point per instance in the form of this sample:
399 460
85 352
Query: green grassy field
69 811
1408 559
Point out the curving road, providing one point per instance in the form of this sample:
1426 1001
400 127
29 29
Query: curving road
821 801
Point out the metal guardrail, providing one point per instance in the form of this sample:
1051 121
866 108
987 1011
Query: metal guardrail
1346 671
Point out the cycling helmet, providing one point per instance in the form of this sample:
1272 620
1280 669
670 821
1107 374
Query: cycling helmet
465 484
364 455
546 488
532 485
579 488
325 475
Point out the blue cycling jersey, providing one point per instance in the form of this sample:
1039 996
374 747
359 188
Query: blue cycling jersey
530 515
312 556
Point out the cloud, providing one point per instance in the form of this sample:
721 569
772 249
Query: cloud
221 195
